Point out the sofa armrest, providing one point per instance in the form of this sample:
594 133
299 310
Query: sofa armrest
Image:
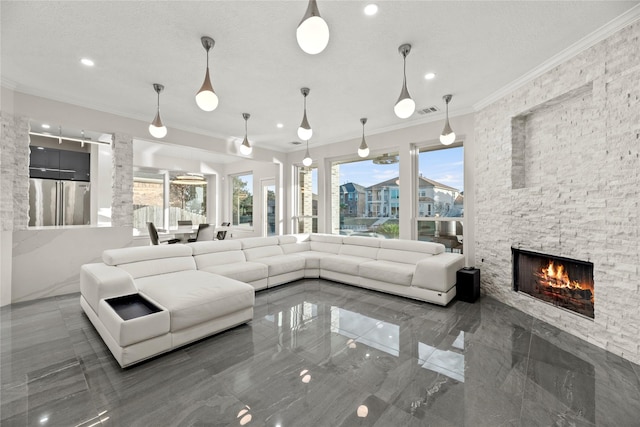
438 272
99 281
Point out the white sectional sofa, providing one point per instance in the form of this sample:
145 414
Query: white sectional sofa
195 290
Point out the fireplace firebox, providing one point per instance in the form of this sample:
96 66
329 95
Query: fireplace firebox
564 282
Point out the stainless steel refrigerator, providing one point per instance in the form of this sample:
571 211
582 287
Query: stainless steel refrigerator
58 202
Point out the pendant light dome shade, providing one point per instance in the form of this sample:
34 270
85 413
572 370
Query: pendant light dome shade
245 147
363 150
313 32
307 157
405 106
304 131
448 136
206 97
156 128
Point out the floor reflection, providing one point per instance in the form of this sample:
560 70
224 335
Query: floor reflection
321 354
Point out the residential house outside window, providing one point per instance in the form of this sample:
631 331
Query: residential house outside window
242 200
440 204
305 219
365 197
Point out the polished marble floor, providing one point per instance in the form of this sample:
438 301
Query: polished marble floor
319 354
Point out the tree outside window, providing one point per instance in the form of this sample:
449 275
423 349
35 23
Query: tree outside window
242 200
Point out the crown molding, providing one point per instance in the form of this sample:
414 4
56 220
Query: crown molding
630 16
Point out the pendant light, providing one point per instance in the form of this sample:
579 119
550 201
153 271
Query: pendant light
363 150
448 136
304 131
405 106
313 31
245 147
206 97
156 128
307 157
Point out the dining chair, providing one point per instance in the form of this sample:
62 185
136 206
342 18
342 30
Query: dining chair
153 235
204 233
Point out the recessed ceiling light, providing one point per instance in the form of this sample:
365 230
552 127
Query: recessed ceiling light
279 125
87 62
430 76
45 126
371 9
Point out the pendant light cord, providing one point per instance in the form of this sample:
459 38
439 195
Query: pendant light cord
404 67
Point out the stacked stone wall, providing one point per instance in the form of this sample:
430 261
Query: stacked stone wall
558 171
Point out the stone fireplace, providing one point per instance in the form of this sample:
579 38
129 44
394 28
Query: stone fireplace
556 172
564 282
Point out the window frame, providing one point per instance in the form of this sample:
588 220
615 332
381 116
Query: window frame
416 150
231 181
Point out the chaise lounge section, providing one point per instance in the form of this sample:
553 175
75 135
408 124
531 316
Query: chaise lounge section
181 293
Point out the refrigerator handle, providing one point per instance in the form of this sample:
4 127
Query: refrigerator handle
60 220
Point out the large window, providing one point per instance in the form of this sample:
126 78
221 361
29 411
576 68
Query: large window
365 197
440 201
148 200
242 200
306 200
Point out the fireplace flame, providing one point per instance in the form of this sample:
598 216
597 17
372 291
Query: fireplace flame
556 276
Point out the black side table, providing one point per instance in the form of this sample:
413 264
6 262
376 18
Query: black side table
468 284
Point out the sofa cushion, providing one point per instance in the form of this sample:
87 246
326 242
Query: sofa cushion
218 252
325 243
342 263
387 271
144 253
406 257
155 267
313 258
366 247
215 246
413 246
291 244
282 264
254 254
193 297
245 271
256 242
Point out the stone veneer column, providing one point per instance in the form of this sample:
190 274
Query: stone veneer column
122 197
306 178
335 199
14 175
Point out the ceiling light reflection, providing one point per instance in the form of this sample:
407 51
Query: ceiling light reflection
371 9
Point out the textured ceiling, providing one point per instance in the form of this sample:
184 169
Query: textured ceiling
475 47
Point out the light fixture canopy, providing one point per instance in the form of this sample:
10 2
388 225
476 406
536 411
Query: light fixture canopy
448 136
206 97
307 157
363 150
313 32
405 106
245 147
304 131
156 128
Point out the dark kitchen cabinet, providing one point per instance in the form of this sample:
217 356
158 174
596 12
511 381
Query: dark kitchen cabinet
50 163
